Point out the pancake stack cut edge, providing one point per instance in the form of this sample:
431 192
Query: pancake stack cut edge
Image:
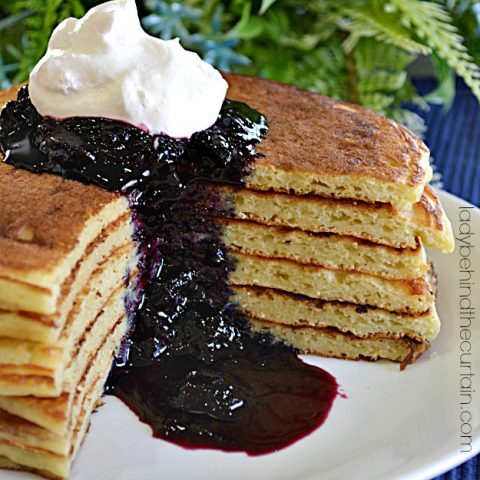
328 233
65 268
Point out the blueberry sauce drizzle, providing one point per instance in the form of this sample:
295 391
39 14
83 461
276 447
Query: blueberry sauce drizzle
191 368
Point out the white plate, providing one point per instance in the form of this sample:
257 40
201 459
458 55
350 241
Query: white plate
393 425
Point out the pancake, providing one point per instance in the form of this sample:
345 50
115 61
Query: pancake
280 307
403 296
329 342
379 223
47 328
43 244
43 366
324 249
25 446
318 145
53 413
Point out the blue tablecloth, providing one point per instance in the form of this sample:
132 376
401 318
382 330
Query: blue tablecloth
454 140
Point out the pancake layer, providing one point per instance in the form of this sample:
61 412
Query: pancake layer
324 249
29 447
47 328
32 368
43 244
406 296
283 308
333 343
377 223
317 145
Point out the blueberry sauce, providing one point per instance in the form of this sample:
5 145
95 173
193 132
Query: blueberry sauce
191 368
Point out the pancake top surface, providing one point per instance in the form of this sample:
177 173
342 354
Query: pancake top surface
42 216
53 209
314 133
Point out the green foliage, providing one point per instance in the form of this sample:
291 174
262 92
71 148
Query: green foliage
34 20
358 50
364 21
434 26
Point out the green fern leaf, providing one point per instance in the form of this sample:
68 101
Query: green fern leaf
434 26
366 22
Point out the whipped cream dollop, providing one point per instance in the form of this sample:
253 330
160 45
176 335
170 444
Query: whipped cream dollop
105 65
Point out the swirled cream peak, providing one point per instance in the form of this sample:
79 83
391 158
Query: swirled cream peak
105 65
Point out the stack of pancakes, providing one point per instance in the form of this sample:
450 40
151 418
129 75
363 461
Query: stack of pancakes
327 237
328 234
66 262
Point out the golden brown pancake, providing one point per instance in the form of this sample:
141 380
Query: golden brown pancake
404 296
377 223
28 367
324 249
317 145
329 342
44 328
49 450
283 308
35 266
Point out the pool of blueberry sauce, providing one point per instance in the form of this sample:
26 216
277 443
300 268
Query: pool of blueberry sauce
191 367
